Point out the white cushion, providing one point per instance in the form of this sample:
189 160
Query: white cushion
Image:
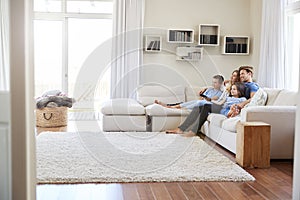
272 95
124 123
229 124
192 93
216 119
158 110
148 93
122 107
286 98
259 98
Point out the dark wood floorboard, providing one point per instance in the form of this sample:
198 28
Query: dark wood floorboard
272 183
204 190
220 192
189 191
130 191
175 191
144 191
160 191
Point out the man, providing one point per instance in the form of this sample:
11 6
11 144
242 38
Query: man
246 76
198 116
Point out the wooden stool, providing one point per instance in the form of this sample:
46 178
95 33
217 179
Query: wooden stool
253 144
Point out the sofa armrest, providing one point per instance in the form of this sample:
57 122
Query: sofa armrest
263 113
282 121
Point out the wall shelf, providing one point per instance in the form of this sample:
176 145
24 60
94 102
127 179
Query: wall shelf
152 43
236 45
189 53
180 35
209 35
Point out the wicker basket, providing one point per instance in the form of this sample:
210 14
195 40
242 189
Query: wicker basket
52 117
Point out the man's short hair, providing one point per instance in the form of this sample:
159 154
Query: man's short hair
247 68
220 78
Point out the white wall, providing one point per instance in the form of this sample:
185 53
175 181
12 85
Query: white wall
236 17
22 101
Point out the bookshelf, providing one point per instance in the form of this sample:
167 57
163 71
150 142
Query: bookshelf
209 35
153 43
180 35
236 45
189 53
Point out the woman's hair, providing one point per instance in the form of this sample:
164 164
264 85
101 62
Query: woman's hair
228 88
238 75
240 88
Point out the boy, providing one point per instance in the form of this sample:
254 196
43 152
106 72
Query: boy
211 93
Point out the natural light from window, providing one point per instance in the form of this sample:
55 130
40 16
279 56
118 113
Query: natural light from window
292 53
63 40
47 55
79 49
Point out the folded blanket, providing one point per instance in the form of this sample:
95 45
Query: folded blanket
54 101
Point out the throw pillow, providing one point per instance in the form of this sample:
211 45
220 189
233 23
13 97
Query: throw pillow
259 98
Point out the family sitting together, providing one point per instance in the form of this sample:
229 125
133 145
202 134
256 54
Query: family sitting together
239 91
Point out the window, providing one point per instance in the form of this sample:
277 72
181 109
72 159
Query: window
78 49
47 55
47 5
293 44
65 33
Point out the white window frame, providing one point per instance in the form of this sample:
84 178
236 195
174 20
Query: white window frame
63 16
291 9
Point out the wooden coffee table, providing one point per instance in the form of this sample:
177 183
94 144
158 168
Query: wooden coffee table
253 144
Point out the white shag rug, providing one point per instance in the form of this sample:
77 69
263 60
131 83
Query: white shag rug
90 157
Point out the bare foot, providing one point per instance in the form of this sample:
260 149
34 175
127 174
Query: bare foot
189 134
174 131
160 103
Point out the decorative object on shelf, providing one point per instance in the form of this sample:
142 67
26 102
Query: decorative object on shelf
180 35
153 43
236 45
189 53
209 35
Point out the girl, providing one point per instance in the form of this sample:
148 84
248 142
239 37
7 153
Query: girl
236 96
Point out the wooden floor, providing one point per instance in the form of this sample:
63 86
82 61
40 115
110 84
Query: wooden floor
272 183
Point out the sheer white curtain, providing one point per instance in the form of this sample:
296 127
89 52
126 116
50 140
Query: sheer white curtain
127 47
272 69
4 45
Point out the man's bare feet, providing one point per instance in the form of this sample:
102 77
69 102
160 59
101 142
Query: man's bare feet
189 134
174 131
160 103
167 106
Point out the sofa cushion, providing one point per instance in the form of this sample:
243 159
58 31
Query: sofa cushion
122 107
148 93
286 98
216 119
272 95
229 124
259 98
192 93
158 110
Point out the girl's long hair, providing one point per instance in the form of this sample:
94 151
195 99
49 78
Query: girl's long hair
240 88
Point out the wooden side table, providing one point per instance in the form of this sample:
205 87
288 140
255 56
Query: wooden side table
253 144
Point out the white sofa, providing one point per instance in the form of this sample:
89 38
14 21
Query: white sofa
143 115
